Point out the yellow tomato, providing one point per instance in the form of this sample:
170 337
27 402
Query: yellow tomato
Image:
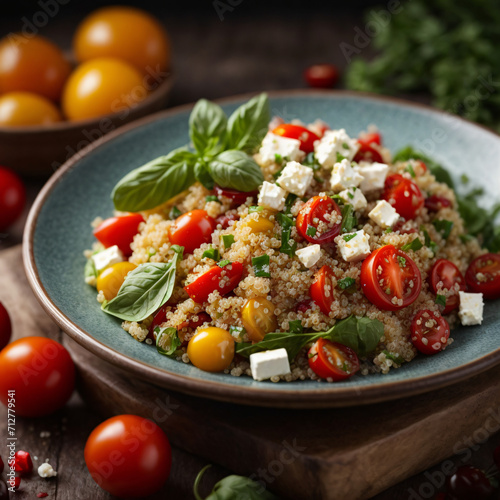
25 108
126 33
211 349
32 65
100 87
261 225
112 278
258 318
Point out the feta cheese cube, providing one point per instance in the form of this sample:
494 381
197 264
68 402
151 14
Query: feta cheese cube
296 178
272 196
269 364
273 145
374 175
471 308
384 214
106 258
46 470
333 142
355 197
354 246
309 255
344 176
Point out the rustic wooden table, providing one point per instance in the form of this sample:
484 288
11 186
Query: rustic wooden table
247 51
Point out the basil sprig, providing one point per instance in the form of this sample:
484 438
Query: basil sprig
167 341
144 290
222 147
360 334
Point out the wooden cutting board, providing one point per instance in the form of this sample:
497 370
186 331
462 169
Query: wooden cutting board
351 453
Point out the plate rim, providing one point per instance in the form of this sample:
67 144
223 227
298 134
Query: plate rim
333 396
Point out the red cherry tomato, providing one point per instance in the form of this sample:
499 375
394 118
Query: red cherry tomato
404 195
368 152
447 272
390 279
5 327
369 138
469 483
223 279
128 456
191 230
434 203
429 332
225 220
12 198
302 134
321 75
332 360
119 231
321 290
238 197
304 306
483 275
23 463
317 210
40 371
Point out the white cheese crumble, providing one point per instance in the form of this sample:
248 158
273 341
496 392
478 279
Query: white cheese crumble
284 147
344 176
106 258
333 142
268 364
272 196
471 308
384 214
353 246
296 178
309 255
374 175
46 470
355 197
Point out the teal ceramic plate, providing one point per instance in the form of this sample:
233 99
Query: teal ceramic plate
58 230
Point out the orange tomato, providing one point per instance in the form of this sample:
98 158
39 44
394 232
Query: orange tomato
100 87
32 65
26 108
126 33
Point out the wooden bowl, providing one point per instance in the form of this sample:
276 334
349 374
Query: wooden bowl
38 151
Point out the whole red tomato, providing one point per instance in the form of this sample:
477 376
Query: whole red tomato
12 198
41 373
128 456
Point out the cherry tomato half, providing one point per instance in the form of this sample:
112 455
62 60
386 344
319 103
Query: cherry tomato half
258 318
19 109
40 371
318 209
332 360
128 456
119 231
321 75
5 327
302 134
368 152
223 279
237 197
225 220
369 138
434 203
429 332
447 272
12 198
404 195
321 290
390 279
468 483
211 349
483 275
191 230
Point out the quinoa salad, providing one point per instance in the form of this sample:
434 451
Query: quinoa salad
289 251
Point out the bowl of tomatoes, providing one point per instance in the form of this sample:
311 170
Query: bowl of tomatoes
53 104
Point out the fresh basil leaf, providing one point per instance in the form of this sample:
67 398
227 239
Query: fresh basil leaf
292 342
247 126
349 221
174 213
236 170
261 266
346 283
207 127
414 245
443 226
203 175
441 300
144 290
90 270
152 184
167 341
295 326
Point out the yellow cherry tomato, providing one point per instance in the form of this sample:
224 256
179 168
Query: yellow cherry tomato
32 65
126 33
261 225
25 108
112 278
211 349
258 318
100 87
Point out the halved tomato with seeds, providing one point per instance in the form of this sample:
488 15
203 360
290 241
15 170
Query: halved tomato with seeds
306 137
429 332
332 360
319 211
321 290
404 195
390 279
483 275
448 273
369 147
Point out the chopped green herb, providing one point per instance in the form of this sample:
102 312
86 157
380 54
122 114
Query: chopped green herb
288 244
464 178
412 171
388 290
350 195
290 200
295 326
346 282
348 237
443 226
253 209
441 300
397 358
311 231
465 238
401 261
345 145
224 263
211 253
428 242
277 174
278 159
212 198
261 266
414 245
349 220
90 270
228 240
337 199
237 332
388 230
174 213
167 341
340 157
